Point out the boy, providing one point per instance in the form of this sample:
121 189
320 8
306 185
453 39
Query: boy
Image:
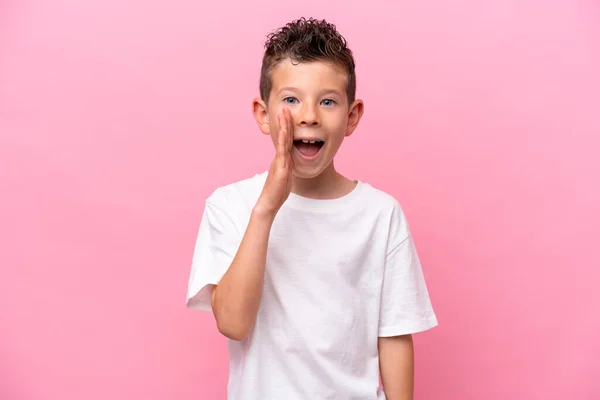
313 277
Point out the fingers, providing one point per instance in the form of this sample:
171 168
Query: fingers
290 129
285 140
282 135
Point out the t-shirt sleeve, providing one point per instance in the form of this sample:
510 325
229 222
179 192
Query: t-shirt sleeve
216 245
405 304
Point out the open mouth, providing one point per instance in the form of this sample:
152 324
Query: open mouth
308 148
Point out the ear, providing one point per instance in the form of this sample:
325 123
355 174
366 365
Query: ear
261 115
355 113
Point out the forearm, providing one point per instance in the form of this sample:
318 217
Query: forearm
396 362
237 297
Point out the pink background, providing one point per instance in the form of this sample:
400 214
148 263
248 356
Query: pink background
117 119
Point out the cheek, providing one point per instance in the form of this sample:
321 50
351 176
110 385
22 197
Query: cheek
337 123
273 126
273 121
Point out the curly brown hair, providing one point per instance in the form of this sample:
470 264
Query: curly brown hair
306 40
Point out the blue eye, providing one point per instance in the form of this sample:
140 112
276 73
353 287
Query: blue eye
328 102
290 100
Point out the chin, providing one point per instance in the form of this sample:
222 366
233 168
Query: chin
307 173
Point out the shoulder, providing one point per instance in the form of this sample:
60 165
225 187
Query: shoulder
389 210
239 191
380 199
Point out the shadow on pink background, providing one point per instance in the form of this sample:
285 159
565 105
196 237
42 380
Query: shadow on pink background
118 118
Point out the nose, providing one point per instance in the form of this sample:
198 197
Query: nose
309 115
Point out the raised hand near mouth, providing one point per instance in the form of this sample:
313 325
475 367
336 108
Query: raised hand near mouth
279 179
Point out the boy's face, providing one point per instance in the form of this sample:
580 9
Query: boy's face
315 94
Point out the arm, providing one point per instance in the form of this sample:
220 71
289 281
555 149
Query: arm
396 363
236 299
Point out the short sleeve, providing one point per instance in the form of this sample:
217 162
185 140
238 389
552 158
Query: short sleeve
216 245
405 304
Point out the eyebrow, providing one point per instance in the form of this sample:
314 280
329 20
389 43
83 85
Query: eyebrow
324 92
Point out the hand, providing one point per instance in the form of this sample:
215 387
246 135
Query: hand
279 180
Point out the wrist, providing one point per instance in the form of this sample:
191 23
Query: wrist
263 213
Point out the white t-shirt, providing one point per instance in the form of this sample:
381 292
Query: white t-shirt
339 274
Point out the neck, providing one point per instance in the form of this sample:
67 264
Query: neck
329 184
